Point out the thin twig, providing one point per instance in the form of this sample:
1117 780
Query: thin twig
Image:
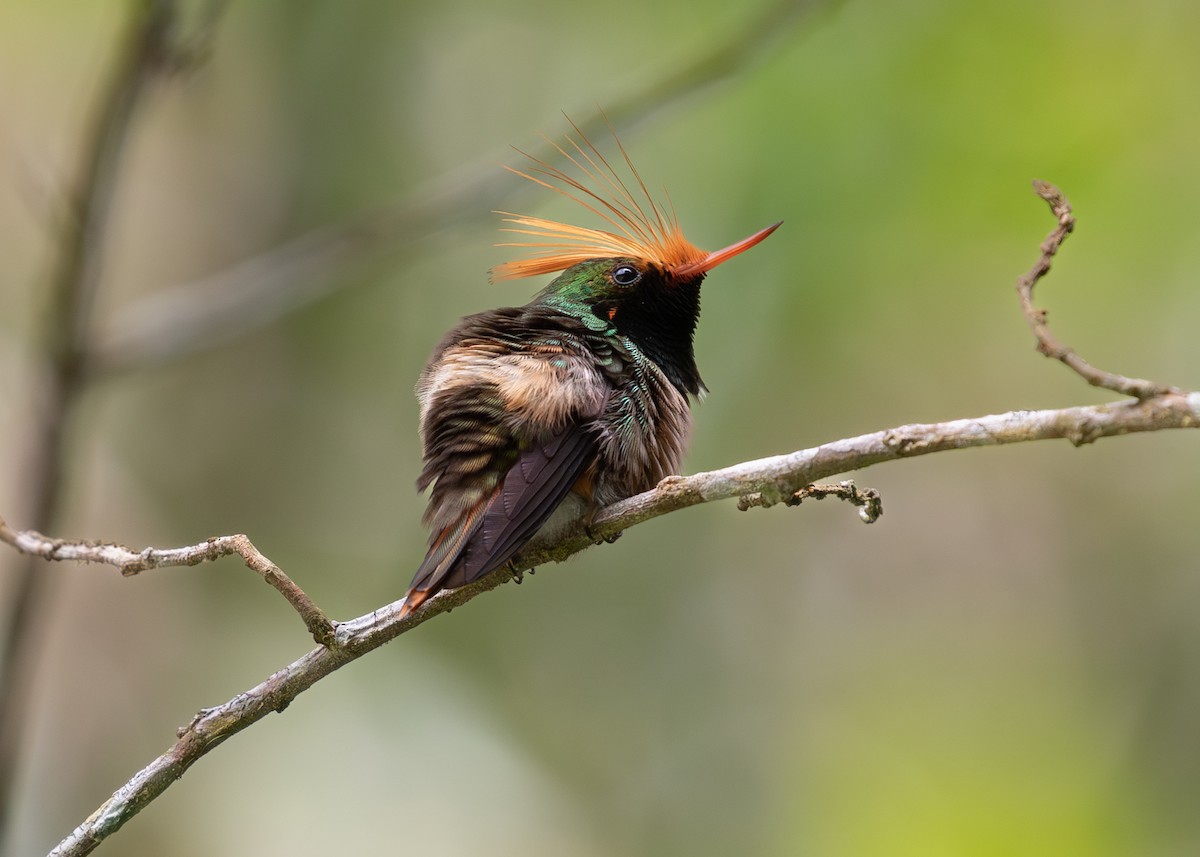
252 294
1046 342
71 291
131 562
781 477
868 501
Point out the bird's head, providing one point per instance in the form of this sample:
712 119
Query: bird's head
642 278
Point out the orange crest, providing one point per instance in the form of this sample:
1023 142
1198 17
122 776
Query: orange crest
640 230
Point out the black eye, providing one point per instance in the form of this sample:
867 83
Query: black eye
626 275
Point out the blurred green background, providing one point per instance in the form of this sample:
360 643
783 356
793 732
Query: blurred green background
1008 663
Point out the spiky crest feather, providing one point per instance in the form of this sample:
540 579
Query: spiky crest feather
653 236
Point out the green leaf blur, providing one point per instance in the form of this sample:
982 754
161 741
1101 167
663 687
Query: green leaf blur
1007 663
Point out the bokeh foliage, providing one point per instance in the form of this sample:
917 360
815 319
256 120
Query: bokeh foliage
1007 663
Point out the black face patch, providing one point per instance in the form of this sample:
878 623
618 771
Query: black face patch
660 317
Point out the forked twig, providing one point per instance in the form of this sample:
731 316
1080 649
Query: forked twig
1047 343
131 562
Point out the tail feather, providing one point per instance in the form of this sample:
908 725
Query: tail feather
445 549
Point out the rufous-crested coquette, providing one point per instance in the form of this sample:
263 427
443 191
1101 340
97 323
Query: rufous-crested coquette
577 399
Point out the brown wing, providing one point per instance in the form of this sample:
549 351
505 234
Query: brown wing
487 535
507 431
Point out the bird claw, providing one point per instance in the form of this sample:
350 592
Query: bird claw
595 539
518 574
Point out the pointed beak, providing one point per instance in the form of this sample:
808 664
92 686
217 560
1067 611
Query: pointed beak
713 259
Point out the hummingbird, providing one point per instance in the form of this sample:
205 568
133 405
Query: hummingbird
536 416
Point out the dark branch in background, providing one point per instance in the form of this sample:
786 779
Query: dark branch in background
255 293
145 53
785 478
1046 342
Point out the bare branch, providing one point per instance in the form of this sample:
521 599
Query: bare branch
778 478
256 292
1046 342
131 562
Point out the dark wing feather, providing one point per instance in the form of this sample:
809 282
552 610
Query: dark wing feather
532 489
487 535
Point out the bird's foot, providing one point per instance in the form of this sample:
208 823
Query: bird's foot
595 539
518 574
